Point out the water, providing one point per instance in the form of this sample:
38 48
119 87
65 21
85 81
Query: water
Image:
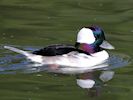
32 24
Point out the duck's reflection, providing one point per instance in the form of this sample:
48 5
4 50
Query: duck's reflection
93 86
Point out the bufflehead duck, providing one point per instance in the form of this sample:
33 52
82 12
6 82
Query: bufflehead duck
87 55
87 52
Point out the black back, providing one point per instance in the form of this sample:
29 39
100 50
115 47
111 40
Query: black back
57 49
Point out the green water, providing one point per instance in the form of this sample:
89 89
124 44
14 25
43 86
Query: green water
44 22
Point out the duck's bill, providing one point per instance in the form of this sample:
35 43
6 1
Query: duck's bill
106 45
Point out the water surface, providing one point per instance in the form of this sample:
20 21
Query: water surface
37 23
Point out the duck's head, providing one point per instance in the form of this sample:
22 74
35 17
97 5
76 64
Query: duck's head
91 39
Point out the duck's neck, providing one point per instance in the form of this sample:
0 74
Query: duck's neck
89 48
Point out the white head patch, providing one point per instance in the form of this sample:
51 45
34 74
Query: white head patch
85 35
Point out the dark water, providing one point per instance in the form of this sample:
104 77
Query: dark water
32 24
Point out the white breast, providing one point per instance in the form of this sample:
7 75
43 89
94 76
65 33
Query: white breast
77 62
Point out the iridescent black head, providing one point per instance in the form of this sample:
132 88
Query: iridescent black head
92 39
98 33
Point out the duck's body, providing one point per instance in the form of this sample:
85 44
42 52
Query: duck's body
68 59
75 63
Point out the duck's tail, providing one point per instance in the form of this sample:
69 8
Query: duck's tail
32 57
17 50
